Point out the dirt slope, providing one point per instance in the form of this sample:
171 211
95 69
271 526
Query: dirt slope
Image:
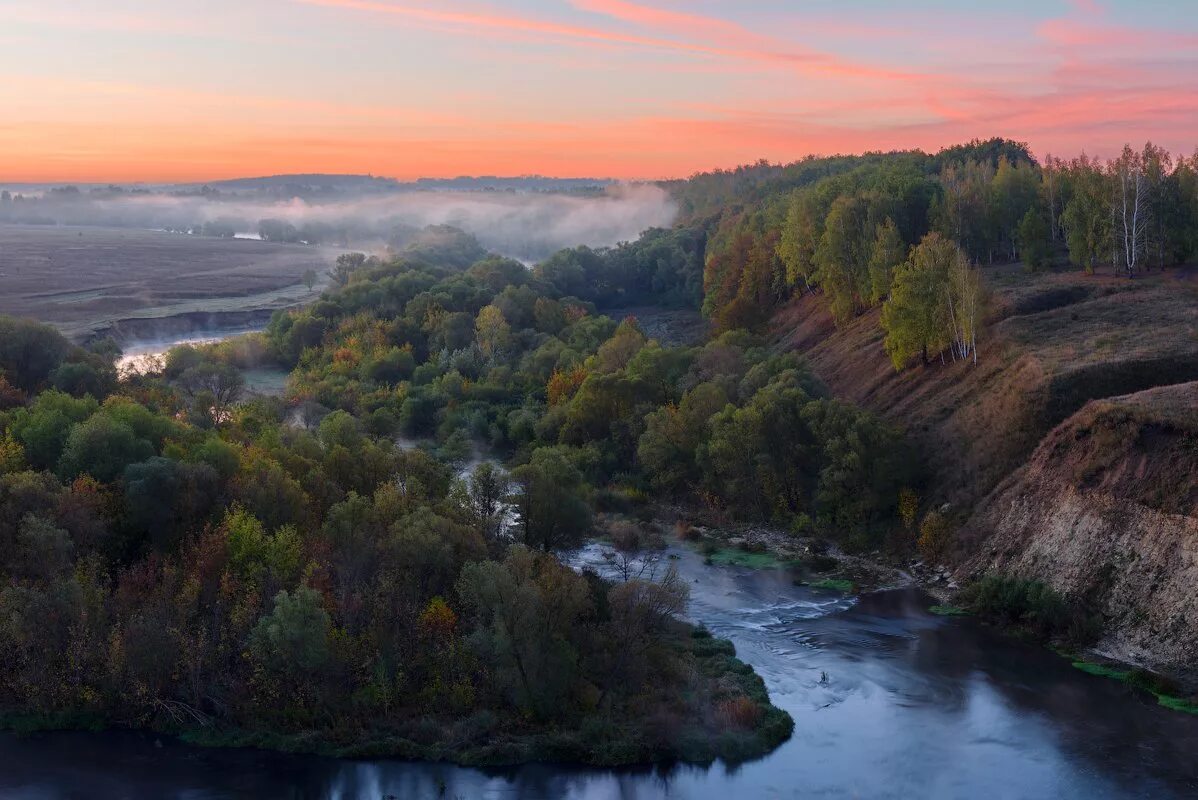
1069 453
1053 343
1107 510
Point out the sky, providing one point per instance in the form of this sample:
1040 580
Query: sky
146 90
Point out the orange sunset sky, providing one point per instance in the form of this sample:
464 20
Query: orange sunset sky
132 90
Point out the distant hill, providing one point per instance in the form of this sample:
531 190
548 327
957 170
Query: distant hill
524 183
306 182
317 183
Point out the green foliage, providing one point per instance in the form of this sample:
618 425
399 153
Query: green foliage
949 611
1086 217
888 252
102 447
293 641
30 352
42 428
934 305
1163 689
835 585
1031 607
551 513
528 607
842 257
255 555
785 454
736 557
1035 246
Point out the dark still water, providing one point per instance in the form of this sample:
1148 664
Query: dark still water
888 701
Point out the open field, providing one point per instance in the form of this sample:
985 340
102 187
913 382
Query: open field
83 280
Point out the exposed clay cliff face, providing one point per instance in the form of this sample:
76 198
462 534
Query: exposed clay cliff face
1096 497
1107 510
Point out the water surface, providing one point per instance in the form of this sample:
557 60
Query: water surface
889 701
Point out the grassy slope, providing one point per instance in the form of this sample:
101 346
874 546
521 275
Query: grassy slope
1054 341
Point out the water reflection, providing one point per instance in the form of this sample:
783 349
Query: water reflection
146 355
888 700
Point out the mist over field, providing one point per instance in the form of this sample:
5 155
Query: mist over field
524 225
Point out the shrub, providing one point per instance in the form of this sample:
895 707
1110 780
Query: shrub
738 712
936 536
1032 607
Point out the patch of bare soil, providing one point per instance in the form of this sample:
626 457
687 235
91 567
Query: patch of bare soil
85 279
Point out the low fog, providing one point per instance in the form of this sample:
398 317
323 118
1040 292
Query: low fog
525 225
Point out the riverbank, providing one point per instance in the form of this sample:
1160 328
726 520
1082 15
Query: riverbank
816 560
822 565
728 717
888 701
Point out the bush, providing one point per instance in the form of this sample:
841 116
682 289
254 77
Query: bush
739 712
936 536
1030 607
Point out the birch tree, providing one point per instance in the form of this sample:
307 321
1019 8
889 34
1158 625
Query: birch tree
1050 176
963 296
1131 209
935 305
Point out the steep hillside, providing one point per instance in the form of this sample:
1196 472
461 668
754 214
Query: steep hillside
1069 453
1107 510
1054 341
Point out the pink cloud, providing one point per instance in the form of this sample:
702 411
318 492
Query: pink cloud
1076 33
716 38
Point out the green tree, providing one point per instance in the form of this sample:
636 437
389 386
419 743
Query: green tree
758 459
488 488
43 427
1014 191
291 644
864 465
526 611
345 266
30 351
668 448
309 278
1087 214
214 388
551 513
842 257
889 251
916 317
165 499
101 447
801 235
1035 246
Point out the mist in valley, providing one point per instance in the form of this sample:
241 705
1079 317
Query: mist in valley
527 225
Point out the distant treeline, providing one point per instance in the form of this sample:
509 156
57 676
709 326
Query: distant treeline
845 227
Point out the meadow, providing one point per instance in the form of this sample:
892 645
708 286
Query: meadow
85 280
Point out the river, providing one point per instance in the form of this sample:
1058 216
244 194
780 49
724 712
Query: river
889 701
146 355
142 355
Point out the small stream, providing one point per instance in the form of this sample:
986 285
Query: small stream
145 355
889 701
140 355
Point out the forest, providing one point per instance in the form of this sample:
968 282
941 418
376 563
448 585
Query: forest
319 572
907 231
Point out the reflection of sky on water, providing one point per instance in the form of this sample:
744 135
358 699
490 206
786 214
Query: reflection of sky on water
888 701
